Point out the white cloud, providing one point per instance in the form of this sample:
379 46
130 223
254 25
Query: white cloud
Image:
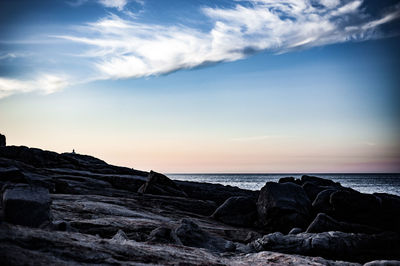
123 48
118 4
45 83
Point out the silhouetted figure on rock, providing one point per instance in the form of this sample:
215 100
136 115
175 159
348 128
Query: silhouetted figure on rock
2 140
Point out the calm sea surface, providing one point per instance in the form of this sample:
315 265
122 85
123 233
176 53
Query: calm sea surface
367 183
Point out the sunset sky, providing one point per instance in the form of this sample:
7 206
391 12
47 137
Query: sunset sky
265 86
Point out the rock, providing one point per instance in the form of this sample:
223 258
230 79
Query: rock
312 190
318 181
289 179
389 217
11 174
163 235
159 184
383 263
190 234
322 204
120 236
295 231
2 140
239 211
283 206
214 192
355 207
324 223
334 245
25 205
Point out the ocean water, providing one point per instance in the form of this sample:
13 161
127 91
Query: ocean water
366 183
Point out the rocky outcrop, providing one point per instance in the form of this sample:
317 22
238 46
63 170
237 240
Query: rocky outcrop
239 211
283 206
88 212
333 245
159 184
324 223
26 205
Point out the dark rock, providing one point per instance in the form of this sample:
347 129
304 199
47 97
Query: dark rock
355 207
190 234
159 184
295 231
2 140
120 236
318 181
324 223
163 235
322 204
239 211
312 190
283 206
214 192
289 179
334 245
389 217
25 205
11 174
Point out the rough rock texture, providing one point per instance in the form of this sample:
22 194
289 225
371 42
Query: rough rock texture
240 211
324 223
334 245
159 184
283 206
98 217
25 205
2 140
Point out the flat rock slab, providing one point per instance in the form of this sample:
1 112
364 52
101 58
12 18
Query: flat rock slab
26 205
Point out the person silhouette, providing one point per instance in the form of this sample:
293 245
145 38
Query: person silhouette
73 151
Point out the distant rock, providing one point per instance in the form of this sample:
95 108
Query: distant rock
190 234
318 181
159 184
2 140
26 205
239 211
282 207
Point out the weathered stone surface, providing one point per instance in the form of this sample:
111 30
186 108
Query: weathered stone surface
322 204
190 234
26 205
324 223
159 184
283 206
312 190
383 263
334 245
239 211
295 231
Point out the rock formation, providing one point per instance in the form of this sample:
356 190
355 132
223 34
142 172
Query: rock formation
71 209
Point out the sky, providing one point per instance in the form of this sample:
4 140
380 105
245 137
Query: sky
223 86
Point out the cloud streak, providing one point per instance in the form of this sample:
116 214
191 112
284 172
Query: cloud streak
119 48
128 49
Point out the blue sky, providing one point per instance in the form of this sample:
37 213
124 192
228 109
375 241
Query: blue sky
205 86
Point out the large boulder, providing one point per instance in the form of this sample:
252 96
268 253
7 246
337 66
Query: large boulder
2 140
239 211
355 207
190 234
319 181
159 184
282 207
324 223
321 203
26 205
389 211
333 245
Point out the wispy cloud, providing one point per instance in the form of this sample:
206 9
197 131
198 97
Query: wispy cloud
123 47
260 138
127 49
44 83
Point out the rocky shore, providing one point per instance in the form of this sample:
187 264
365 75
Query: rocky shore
66 209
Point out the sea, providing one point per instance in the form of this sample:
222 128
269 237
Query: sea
366 183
